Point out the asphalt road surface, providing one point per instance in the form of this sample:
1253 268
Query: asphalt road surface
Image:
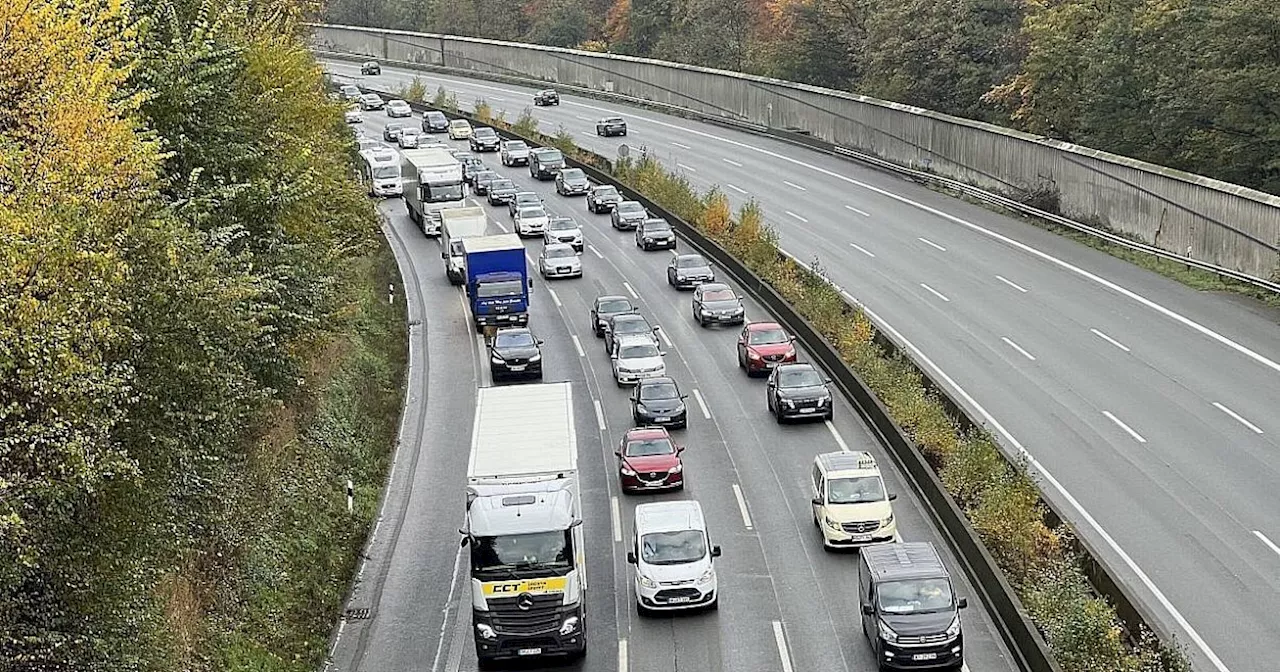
786 604
1152 411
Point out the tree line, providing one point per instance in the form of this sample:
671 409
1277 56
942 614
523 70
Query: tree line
1184 83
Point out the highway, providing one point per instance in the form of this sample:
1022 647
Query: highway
786 604
1151 410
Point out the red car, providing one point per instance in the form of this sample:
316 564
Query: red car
649 460
762 346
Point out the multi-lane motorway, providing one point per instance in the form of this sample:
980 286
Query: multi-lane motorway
786 604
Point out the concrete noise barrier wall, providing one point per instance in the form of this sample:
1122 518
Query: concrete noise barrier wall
1187 215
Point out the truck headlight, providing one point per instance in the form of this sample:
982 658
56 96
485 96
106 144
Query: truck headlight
707 577
484 631
646 581
887 521
569 626
954 629
887 633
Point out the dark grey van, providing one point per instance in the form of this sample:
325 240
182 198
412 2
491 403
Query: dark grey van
910 612
545 162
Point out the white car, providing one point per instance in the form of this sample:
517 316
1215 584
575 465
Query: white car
459 129
558 260
531 221
636 357
353 116
409 137
350 92
563 230
674 558
399 108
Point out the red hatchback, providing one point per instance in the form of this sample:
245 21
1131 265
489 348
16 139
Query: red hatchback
762 346
649 460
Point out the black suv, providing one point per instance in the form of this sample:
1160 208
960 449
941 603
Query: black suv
515 352
501 191
545 162
657 401
602 198
798 391
434 121
480 181
370 68
546 97
606 307
655 234
484 139
611 126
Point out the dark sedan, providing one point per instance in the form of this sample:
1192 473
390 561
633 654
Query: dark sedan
546 97
370 68
434 121
484 139
798 391
627 215
391 131
686 271
480 183
657 401
501 191
602 198
515 352
627 325
606 307
716 303
655 234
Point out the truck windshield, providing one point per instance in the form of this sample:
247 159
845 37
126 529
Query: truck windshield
491 290
441 193
673 548
538 550
914 596
456 249
857 490
386 172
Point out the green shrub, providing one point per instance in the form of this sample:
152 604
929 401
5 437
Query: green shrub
482 111
415 91
526 124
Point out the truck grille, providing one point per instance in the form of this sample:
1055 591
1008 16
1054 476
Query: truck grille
543 616
860 527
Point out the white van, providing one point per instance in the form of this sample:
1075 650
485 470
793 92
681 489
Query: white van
380 171
674 558
850 504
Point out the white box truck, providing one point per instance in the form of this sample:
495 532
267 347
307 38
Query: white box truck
456 224
524 525
432 181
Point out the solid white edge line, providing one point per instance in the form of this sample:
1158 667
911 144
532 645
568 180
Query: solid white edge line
798 217
688 168
935 292
555 298
1110 340
793 185
577 344
732 162
1267 541
780 638
616 516
1256 429
595 251
932 244
1017 347
844 447
622 655
701 404
1011 283
630 290
862 250
736 188
1136 436
665 339
864 213
681 146
599 413
742 506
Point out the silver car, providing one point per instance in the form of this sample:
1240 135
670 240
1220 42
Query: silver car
558 260
353 116
563 230
635 358
409 137
399 108
531 221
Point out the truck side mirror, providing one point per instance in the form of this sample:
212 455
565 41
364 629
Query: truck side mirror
465 539
613 357
963 603
893 496
631 557
715 551
869 609
444 255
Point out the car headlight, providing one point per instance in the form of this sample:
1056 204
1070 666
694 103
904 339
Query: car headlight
831 523
788 403
648 239
646 581
707 577
536 358
954 628
887 521
887 633
751 354
676 469
497 360
569 626
484 631
626 471
791 352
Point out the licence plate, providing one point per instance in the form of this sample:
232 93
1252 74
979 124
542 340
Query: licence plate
924 656
808 410
518 367
663 418
770 365
679 600
562 269
529 652
860 537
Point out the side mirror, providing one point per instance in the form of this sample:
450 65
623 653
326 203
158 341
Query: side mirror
540 341
444 255
613 357
679 449
772 384
817 501
893 496
869 609
618 453
963 603
631 557
662 354
791 338
683 397
826 381
715 551
655 330
530 283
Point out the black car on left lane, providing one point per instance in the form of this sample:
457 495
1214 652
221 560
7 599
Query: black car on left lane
798 391
657 401
515 352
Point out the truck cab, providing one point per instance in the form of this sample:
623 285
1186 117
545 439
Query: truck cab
910 613
850 504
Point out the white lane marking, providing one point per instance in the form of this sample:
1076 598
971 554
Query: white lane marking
555 298
738 189
342 625
595 251
935 292
864 213
1017 347
500 225
862 250
530 260
932 244
688 168
742 506
630 291
582 118
1246 423
793 185
844 447
617 518
665 339
1120 423
1110 340
599 413
732 162
498 99
1267 541
1011 283
622 655
781 639
702 404
798 217
578 345
681 146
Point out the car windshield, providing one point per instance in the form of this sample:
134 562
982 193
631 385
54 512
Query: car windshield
857 490
673 548
519 339
553 549
394 126
485 133
914 596
658 391
719 295
660 225
436 116
386 172
559 252
766 337
630 206
459 123
499 185
552 155
632 326
693 261
615 306
491 290
637 351
606 191
572 174
798 378
563 225
526 213
517 144
527 197
647 447
613 120
408 131
486 176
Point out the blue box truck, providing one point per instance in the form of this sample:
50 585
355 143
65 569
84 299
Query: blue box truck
498 281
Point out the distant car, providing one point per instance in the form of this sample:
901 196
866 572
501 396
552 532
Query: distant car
545 162
563 230
627 325
717 303
627 215
515 352
353 116
658 401
523 199
459 129
602 198
391 130
434 121
546 97
762 346
484 139
572 182
514 153
350 92
686 271
531 221
635 358
471 165
655 234
371 101
605 307
370 68
408 137
480 181
649 460
558 260
501 191
611 126
399 108
798 391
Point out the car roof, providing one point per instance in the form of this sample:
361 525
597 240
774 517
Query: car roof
689 257
842 464
796 365
513 330
611 297
532 208
713 287
643 338
460 121
675 516
761 326
909 560
658 380
646 433
556 246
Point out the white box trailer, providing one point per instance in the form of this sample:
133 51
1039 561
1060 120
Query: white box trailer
456 224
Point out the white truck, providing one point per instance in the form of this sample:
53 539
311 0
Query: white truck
524 525
433 181
456 224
